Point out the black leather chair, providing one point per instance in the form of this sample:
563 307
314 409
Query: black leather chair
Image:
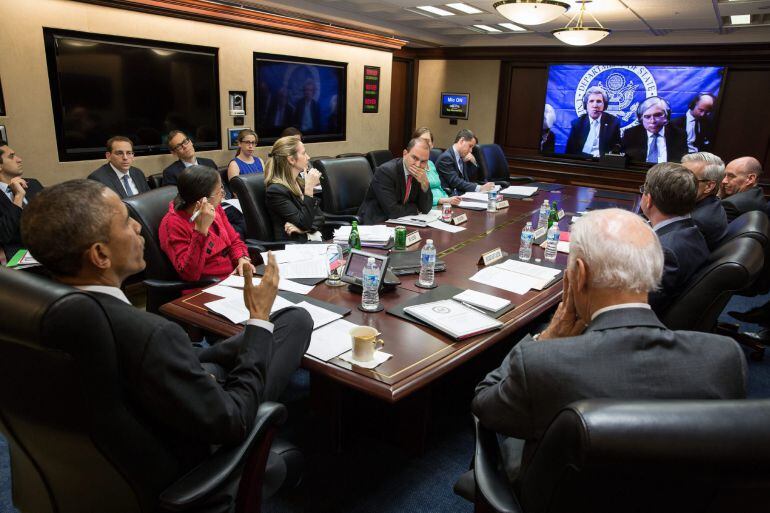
345 183
155 181
349 155
314 160
435 153
76 443
250 190
730 268
494 166
378 157
753 224
603 456
161 279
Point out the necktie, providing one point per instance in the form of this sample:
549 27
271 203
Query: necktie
697 128
408 188
595 145
127 186
460 165
652 154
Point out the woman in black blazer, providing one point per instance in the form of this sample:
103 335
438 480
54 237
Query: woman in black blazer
293 209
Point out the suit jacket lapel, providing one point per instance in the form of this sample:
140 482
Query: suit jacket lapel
460 170
400 180
117 184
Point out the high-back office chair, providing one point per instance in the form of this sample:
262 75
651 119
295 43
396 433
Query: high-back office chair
435 153
161 279
314 160
729 269
222 170
155 181
250 190
606 456
349 155
494 166
76 443
345 183
754 224
378 157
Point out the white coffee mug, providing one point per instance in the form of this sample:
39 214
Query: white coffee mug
365 343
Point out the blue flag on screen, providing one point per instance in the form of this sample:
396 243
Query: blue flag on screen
627 87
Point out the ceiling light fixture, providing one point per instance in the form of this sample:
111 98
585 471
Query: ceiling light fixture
511 26
467 9
531 12
579 34
435 10
487 28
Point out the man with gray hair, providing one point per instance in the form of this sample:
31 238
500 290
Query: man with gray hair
654 140
739 190
708 215
604 341
668 198
595 132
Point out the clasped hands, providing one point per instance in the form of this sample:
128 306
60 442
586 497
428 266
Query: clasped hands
565 322
419 174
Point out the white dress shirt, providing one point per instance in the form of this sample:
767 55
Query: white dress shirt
121 174
667 222
690 127
592 140
619 307
9 192
662 155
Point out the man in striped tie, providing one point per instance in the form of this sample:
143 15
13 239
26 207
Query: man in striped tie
118 173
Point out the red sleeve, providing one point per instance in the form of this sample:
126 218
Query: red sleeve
239 249
184 246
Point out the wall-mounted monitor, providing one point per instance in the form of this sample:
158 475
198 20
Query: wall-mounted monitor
454 105
307 94
103 86
650 113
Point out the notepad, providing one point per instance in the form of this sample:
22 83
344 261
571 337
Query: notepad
519 190
453 318
472 205
331 340
482 300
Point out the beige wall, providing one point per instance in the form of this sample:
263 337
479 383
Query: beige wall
24 77
480 79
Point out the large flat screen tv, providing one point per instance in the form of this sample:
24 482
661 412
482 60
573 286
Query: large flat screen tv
103 86
306 94
676 107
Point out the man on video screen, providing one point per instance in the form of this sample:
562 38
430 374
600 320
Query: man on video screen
698 122
654 140
595 132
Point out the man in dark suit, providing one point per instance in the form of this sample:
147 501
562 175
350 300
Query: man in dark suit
654 140
181 146
307 113
698 123
456 166
118 174
668 199
603 342
191 398
708 215
280 113
15 193
595 132
400 187
740 192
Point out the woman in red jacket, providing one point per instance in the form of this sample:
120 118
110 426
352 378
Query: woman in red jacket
195 233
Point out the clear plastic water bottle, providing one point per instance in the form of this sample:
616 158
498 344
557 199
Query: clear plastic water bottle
370 298
542 219
525 249
427 263
551 242
492 201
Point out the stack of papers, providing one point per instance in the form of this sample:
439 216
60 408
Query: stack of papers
516 276
301 261
518 190
473 205
476 196
420 220
481 300
377 235
297 252
441 225
283 284
330 341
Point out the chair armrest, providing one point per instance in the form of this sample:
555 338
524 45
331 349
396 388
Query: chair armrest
502 183
491 482
171 285
520 179
260 246
194 487
340 219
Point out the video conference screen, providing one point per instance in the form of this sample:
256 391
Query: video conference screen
308 95
650 113
103 86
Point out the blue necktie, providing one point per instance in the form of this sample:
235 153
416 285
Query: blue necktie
652 154
127 186
460 163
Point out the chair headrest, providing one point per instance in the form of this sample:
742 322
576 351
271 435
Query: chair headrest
250 190
148 210
752 224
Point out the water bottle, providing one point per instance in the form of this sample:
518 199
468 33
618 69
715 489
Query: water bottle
370 298
551 242
542 219
525 249
427 263
492 201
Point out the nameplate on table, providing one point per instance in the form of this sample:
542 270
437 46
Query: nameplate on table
413 238
540 232
501 205
459 219
490 257
560 214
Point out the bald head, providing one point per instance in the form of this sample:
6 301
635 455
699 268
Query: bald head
741 174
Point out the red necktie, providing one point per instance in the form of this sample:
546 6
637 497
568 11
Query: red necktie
408 188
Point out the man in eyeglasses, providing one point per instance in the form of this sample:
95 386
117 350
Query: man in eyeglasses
181 146
654 140
709 215
118 173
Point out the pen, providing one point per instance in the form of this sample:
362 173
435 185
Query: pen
195 215
479 310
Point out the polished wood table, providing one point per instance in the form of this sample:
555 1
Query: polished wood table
421 355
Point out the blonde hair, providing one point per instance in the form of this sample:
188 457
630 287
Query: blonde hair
278 168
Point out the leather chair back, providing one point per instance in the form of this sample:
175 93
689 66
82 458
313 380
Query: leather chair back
349 155
729 269
378 157
250 190
345 183
155 181
314 160
492 163
148 210
225 182
602 456
76 445
752 224
435 153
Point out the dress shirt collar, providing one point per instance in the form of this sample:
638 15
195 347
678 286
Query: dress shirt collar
5 188
188 164
406 171
662 133
120 173
669 221
618 307
690 117
103 289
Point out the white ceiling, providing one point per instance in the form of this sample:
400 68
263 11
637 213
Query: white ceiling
632 21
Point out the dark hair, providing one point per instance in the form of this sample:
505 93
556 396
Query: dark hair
465 134
290 131
672 187
118 138
414 142
194 183
173 134
61 222
1 153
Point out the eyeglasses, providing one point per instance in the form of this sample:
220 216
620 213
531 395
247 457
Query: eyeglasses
221 190
705 180
181 144
656 115
642 189
249 143
123 153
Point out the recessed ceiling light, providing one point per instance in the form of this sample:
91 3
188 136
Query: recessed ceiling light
467 9
487 28
741 19
511 26
435 10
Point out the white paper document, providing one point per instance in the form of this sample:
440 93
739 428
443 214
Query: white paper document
297 253
472 205
315 268
417 219
331 340
222 291
476 196
371 233
379 357
519 190
453 318
441 225
485 301
289 286
533 270
235 203
234 309
321 316
515 276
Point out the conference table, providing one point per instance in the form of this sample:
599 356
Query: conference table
422 355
